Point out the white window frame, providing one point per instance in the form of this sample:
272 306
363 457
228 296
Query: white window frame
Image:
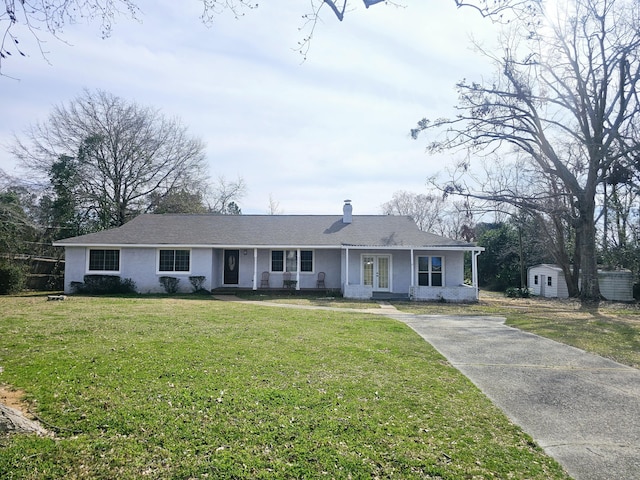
298 260
103 272
313 261
430 271
375 280
173 272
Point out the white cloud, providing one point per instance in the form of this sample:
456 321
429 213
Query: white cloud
310 134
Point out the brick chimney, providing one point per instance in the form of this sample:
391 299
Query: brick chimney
347 209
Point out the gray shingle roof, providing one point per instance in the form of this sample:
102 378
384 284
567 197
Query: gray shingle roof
266 230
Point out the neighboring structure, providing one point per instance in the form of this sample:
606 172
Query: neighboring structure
548 280
361 255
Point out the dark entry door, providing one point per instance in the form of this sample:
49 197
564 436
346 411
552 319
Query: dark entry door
231 260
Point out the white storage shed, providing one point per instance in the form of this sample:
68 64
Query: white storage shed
547 280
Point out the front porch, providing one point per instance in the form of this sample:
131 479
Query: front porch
227 290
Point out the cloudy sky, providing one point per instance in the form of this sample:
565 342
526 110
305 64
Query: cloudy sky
307 133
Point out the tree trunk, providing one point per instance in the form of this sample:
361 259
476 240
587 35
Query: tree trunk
586 235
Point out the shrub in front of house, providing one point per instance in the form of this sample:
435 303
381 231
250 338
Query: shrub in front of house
13 278
104 285
517 292
170 284
197 282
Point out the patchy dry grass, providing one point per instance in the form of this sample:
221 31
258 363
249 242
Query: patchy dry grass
195 388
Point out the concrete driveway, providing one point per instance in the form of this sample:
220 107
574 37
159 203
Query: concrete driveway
582 409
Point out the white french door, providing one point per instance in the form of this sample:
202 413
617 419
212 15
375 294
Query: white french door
376 272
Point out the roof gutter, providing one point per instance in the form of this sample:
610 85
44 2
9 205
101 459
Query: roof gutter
236 246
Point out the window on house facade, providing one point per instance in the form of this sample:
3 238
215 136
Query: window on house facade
306 261
535 279
287 261
174 261
104 260
548 281
430 271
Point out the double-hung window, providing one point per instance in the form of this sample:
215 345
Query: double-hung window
287 261
174 261
430 271
103 260
306 260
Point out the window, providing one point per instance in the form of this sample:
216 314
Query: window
430 271
535 279
174 260
104 260
277 261
287 260
291 257
548 281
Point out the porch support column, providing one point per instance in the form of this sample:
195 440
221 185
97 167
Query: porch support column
413 279
298 269
474 271
255 268
346 269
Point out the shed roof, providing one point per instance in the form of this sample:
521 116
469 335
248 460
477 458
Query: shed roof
267 230
547 266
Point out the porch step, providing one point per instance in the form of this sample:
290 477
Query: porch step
390 296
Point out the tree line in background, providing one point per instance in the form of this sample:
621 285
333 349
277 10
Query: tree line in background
97 162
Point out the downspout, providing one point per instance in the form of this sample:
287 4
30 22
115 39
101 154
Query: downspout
255 269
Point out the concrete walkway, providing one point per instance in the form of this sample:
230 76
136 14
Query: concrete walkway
582 409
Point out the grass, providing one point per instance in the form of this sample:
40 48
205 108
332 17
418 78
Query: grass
195 388
611 330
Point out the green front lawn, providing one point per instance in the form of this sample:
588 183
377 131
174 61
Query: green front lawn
196 388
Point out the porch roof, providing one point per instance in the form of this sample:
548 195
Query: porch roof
316 231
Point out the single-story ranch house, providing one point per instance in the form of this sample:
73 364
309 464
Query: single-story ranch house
362 256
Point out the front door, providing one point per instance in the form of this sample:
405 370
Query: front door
376 272
231 260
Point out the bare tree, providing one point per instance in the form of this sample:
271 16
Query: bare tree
434 213
225 196
563 101
425 209
120 155
274 206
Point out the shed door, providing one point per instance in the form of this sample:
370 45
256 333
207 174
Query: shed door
231 260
